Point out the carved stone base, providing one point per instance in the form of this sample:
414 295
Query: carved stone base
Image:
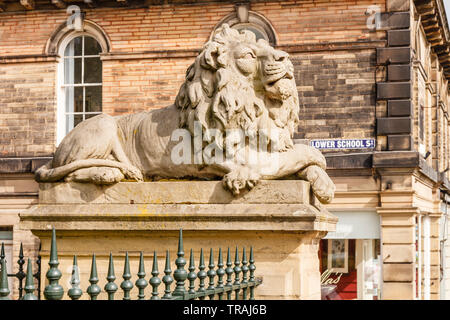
280 219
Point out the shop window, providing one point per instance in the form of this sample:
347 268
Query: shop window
350 269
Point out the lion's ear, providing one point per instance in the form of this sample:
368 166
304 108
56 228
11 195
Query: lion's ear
209 59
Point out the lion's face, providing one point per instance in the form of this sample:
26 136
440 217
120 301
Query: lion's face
276 72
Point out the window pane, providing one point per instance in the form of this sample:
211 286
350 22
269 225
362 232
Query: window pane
93 99
72 70
74 47
92 70
72 121
74 99
88 116
258 33
91 46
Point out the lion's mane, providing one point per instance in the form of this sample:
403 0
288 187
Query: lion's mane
217 97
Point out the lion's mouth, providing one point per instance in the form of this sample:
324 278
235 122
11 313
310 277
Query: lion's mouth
272 79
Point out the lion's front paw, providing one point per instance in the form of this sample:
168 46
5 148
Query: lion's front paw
321 184
239 179
134 173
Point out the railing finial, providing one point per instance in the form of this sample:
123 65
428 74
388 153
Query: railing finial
126 284
111 287
29 284
4 290
54 291
93 290
154 280
75 292
141 283
180 274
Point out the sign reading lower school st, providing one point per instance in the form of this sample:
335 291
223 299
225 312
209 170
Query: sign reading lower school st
343 143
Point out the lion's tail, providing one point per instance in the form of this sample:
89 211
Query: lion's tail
48 174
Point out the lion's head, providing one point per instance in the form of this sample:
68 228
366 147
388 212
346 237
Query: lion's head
237 82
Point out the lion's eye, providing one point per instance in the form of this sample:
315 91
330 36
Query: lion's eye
249 55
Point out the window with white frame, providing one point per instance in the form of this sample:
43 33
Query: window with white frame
80 82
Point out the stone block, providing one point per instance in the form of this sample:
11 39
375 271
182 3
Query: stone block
397 291
398 253
399 108
399 72
393 90
398 38
398 272
397 235
399 142
386 126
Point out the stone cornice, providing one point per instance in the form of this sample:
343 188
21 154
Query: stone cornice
435 25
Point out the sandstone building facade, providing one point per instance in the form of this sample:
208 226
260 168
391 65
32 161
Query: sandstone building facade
373 87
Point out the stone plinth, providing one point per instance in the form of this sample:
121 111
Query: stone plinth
280 219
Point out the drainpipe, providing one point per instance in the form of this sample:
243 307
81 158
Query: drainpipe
426 257
419 249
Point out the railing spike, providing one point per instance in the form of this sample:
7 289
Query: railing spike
201 274
252 268
4 289
220 273
2 252
180 273
237 271
20 275
191 275
93 290
167 279
53 291
111 287
211 273
29 284
75 292
229 272
155 281
126 284
141 283
244 273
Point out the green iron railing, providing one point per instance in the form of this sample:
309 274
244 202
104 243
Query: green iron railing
240 280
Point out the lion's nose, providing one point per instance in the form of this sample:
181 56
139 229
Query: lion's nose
279 55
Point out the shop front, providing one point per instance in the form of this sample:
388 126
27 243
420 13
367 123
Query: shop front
350 258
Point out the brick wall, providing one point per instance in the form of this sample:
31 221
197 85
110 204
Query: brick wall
337 94
27 109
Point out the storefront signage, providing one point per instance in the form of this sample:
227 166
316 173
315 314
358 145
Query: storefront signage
325 277
343 143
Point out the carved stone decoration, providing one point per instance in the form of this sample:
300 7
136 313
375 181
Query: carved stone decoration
242 12
237 91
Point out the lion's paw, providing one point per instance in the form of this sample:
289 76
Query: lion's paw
240 179
321 184
134 173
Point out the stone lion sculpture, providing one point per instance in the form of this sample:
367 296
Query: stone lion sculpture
236 84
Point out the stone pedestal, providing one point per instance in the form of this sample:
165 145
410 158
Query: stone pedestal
280 219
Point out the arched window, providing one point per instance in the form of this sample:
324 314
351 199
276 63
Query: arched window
244 19
82 80
79 79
